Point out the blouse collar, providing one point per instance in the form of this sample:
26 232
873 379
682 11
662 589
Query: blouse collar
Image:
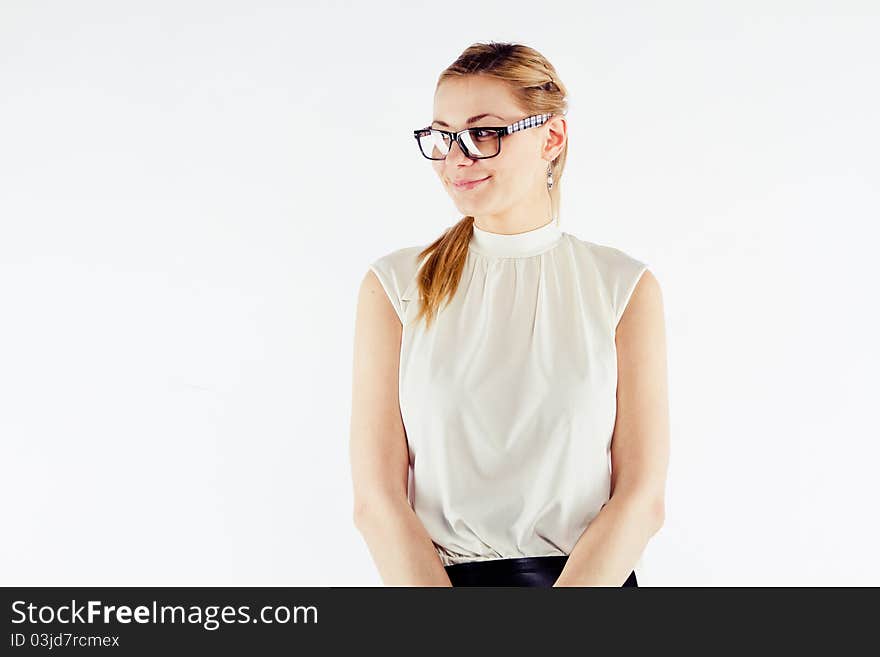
531 242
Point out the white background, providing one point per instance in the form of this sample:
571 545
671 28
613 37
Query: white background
191 193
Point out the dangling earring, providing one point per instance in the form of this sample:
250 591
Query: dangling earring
549 176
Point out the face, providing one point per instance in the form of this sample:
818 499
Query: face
518 174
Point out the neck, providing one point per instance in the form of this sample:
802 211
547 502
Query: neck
530 211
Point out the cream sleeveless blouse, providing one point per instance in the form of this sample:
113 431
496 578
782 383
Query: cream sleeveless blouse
509 399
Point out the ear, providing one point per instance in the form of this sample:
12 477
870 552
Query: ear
557 136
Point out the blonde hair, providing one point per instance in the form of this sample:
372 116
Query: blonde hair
537 88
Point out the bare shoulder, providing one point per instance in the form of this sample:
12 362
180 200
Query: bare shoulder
375 308
371 286
643 318
647 292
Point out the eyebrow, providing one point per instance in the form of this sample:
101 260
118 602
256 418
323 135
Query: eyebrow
468 122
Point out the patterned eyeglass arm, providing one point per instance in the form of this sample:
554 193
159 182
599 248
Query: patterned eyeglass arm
528 122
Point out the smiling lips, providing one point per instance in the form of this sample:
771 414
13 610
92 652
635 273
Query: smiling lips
469 184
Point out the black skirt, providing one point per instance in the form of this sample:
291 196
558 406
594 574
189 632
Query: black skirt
525 571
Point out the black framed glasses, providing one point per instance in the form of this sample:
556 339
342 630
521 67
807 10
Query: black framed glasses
476 143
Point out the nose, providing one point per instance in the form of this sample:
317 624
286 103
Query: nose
455 158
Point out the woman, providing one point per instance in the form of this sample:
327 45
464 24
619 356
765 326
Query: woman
483 426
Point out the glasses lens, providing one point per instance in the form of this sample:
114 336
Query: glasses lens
434 144
479 143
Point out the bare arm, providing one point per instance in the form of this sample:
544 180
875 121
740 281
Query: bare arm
397 539
609 548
